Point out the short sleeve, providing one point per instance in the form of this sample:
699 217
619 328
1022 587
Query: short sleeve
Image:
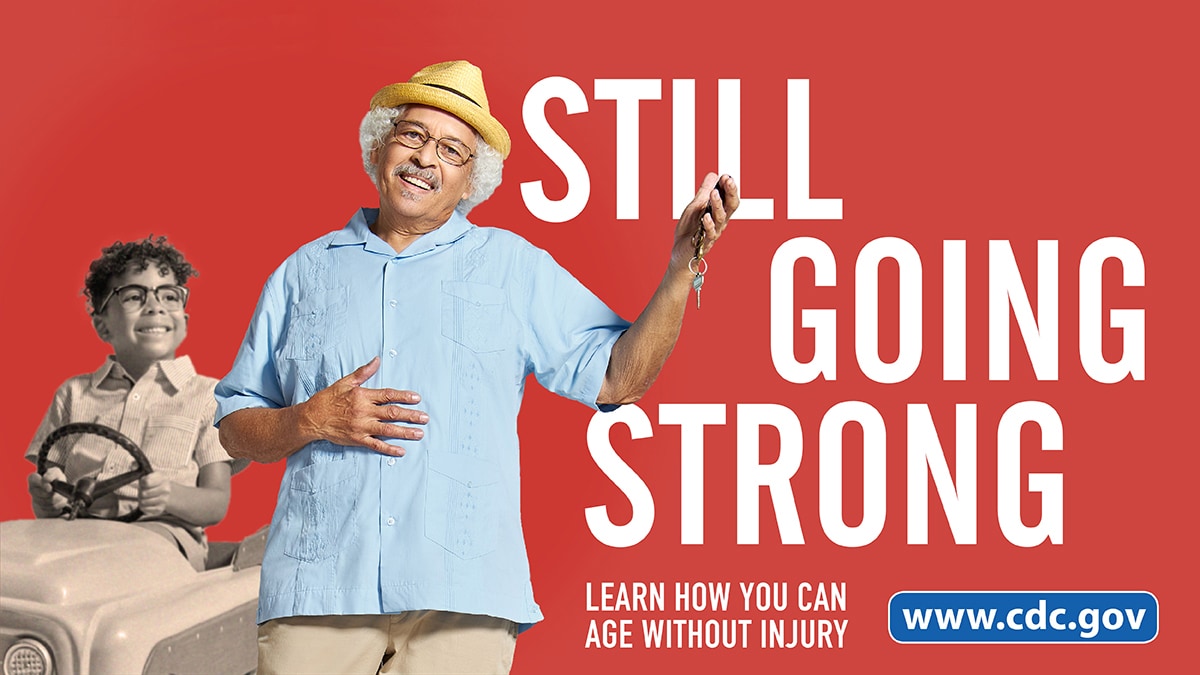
208 445
570 332
55 417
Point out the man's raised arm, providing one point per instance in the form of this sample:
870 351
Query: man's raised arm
639 354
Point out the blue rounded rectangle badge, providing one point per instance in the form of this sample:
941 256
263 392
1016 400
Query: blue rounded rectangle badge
1023 617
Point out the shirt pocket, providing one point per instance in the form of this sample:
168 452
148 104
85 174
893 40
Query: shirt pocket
317 323
169 441
318 519
461 504
80 455
473 315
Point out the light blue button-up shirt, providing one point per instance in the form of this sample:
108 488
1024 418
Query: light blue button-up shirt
461 316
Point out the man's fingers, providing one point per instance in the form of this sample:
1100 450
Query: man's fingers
395 413
733 198
706 186
709 199
351 414
700 202
393 396
362 373
721 204
382 448
723 200
389 405
398 431
716 207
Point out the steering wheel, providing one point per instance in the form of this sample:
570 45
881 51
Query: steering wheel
87 490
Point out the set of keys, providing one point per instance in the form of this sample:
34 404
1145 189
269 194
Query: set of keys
698 265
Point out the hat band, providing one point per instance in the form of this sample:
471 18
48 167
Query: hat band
452 91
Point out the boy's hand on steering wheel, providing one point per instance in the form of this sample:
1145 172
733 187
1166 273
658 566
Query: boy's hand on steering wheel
154 491
46 502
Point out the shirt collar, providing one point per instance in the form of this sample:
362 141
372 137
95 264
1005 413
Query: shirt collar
105 370
176 371
358 232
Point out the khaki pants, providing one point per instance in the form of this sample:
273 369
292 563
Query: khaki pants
410 642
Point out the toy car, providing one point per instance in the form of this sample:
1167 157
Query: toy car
85 595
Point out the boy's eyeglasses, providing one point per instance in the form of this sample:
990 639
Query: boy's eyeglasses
132 298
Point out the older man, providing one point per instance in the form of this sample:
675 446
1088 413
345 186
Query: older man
385 557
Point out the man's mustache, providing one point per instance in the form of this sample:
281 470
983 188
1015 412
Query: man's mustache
426 175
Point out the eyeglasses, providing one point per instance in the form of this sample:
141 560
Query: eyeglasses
132 298
415 136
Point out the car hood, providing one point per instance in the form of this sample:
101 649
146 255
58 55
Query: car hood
60 562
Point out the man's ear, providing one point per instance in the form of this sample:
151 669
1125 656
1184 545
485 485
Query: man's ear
101 327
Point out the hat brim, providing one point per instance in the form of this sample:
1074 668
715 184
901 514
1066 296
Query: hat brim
404 93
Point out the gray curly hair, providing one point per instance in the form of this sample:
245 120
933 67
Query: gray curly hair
486 168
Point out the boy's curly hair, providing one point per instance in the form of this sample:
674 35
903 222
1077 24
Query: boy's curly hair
133 256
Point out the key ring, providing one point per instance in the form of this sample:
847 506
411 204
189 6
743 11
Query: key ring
702 267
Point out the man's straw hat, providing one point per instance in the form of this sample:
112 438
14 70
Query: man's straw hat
453 86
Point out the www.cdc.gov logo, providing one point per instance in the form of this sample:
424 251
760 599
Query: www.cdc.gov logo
1041 617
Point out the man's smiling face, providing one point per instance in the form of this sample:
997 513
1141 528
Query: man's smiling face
415 186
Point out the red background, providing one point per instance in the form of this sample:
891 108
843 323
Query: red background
231 127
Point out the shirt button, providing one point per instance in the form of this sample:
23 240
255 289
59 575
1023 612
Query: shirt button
137 397
391 461
392 352
391 521
392 304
